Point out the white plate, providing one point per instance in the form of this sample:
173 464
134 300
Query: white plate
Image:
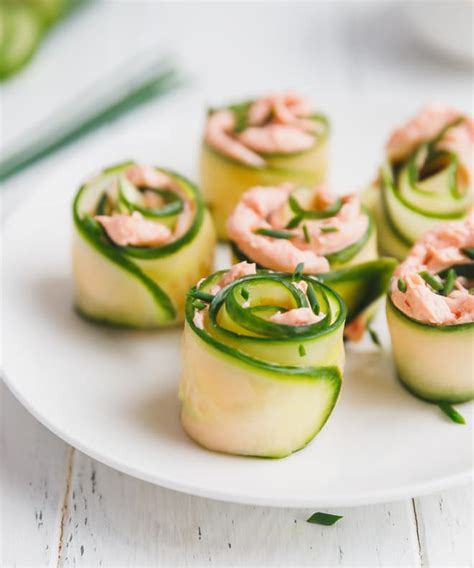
113 394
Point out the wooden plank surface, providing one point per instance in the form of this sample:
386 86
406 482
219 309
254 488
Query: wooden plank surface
61 508
150 526
32 486
445 523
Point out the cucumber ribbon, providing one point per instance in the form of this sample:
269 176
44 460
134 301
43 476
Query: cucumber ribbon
138 286
260 387
413 196
434 361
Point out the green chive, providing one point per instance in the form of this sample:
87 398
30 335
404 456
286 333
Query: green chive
126 97
294 222
313 300
204 296
245 294
302 350
471 290
199 305
374 336
92 225
294 205
468 251
101 208
402 285
452 413
329 229
298 271
431 280
275 234
449 282
240 112
325 519
307 237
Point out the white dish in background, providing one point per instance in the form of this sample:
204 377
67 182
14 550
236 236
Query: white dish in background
113 394
445 25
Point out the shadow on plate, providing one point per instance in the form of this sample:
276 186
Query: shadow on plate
56 301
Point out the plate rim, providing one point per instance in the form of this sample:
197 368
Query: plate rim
364 498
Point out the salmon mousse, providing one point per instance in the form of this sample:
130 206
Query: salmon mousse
271 355
426 179
430 312
142 237
263 141
282 226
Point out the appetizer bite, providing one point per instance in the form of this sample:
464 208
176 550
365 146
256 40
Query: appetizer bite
334 237
262 360
142 237
430 313
426 179
264 141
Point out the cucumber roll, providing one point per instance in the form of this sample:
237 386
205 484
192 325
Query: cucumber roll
280 227
263 141
430 312
142 237
270 357
426 179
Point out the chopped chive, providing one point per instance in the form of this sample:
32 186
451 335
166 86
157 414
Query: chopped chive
329 229
298 271
313 300
325 519
402 285
307 237
449 282
452 413
199 305
204 296
294 205
374 336
274 233
431 280
240 112
294 222
102 204
468 251
245 294
302 350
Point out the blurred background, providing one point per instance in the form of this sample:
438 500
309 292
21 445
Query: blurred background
367 64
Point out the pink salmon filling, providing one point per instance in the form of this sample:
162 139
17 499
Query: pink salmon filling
124 229
264 207
425 126
278 123
436 251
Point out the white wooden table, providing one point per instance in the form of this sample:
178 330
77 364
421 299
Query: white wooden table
61 508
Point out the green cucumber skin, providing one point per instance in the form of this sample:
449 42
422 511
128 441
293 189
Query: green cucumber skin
112 324
377 272
122 258
410 378
427 397
332 328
